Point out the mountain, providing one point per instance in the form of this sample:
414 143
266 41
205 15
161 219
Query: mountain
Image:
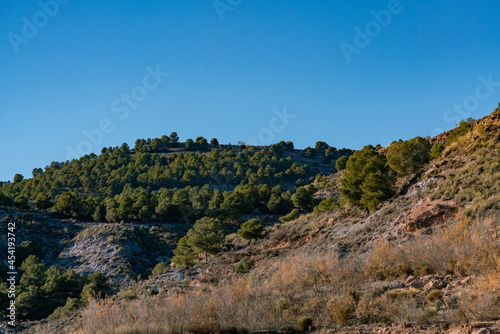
406 236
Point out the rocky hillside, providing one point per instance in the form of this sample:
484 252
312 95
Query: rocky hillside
426 261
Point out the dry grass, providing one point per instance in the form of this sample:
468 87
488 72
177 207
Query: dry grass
463 247
292 287
275 294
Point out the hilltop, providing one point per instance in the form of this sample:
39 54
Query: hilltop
418 248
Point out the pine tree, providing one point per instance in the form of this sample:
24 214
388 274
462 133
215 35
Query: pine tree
184 254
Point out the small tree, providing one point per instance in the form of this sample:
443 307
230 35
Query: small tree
184 254
341 162
291 216
366 181
321 146
33 272
310 153
251 229
21 202
174 138
70 204
328 204
159 268
189 145
214 142
436 151
206 237
406 157
43 202
303 199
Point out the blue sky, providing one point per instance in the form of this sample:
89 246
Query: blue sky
238 70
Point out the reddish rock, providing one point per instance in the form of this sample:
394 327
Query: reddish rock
429 213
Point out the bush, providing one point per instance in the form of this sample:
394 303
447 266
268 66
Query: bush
305 323
153 292
71 305
244 266
43 202
159 268
434 296
462 129
341 309
406 157
251 229
328 204
436 151
291 216
341 162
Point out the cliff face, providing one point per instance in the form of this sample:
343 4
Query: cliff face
120 251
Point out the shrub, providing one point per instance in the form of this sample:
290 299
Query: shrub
251 229
433 296
341 162
244 266
341 308
152 292
328 204
71 305
436 151
429 313
462 129
304 323
291 216
159 268
481 300
406 157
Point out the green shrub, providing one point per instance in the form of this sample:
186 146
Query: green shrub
305 323
436 151
434 296
328 204
429 313
159 268
251 229
406 157
244 266
71 305
341 162
461 130
291 216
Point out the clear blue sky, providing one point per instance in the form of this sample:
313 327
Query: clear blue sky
229 68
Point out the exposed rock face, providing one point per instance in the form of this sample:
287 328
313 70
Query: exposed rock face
429 213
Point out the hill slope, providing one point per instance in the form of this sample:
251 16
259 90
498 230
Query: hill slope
428 256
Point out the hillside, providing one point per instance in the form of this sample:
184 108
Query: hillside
424 257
